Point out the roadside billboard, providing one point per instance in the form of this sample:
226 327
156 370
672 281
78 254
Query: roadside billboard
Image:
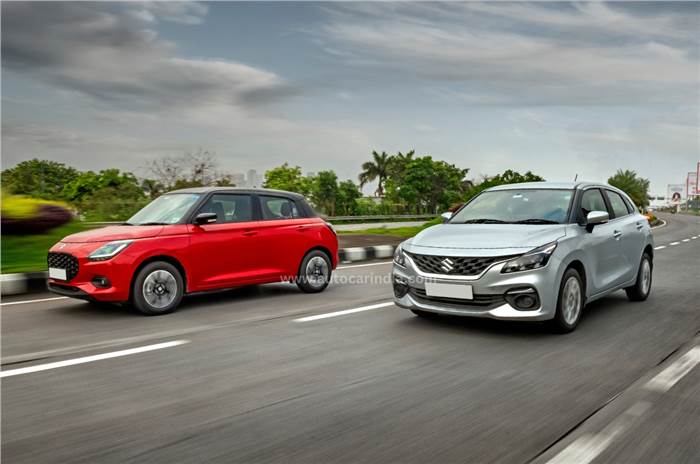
675 194
691 185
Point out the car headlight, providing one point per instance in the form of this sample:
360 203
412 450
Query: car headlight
399 256
109 250
534 259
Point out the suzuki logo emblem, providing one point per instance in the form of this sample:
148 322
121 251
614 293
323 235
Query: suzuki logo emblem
447 264
61 246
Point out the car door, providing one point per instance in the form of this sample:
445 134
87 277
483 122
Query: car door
224 253
285 233
630 238
600 245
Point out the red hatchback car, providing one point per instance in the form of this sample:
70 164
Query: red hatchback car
195 240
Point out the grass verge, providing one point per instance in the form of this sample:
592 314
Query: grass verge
27 253
405 232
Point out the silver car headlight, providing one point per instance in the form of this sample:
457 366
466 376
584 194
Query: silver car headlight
535 259
110 250
399 256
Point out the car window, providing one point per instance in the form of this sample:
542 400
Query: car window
229 207
618 204
278 208
592 200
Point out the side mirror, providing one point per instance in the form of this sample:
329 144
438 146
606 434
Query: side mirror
205 218
446 216
596 217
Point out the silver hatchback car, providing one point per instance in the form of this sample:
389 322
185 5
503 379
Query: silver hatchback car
534 251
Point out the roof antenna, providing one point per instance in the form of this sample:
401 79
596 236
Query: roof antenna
575 177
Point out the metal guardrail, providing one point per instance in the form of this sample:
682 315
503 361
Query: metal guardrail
384 217
380 217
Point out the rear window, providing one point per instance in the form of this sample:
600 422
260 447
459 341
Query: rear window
278 208
619 206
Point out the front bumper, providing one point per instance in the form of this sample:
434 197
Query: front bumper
117 270
489 289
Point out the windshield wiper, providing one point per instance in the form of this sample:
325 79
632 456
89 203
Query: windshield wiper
152 224
536 221
484 221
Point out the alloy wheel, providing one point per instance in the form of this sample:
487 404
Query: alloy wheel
645 276
160 288
571 304
317 271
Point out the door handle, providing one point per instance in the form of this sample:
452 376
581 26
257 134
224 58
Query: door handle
640 226
302 228
249 233
617 234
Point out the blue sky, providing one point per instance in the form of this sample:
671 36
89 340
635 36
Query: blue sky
558 88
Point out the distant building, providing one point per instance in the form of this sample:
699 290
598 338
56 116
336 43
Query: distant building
254 180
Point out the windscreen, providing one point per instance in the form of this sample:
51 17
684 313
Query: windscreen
166 209
527 206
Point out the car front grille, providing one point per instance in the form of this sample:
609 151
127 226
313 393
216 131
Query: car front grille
64 261
483 301
456 265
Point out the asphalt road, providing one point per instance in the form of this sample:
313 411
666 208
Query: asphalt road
248 379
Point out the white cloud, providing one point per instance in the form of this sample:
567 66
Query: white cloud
591 54
112 56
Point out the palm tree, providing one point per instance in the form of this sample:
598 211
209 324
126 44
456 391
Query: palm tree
377 169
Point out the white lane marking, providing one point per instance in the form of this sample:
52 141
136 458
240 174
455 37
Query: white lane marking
686 239
587 447
667 378
87 359
363 265
694 237
344 312
33 301
674 243
660 247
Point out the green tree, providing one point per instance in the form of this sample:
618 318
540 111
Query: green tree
636 187
507 177
376 169
110 195
152 188
427 185
347 197
38 178
324 191
288 178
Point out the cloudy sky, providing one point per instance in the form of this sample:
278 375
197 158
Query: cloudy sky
558 88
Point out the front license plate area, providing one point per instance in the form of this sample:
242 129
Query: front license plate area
460 291
56 273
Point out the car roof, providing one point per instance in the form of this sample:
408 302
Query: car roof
551 185
260 191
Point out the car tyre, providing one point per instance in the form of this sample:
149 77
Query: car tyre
642 287
569 303
314 272
157 289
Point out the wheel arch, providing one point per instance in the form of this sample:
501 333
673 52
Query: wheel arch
151 259
321 248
